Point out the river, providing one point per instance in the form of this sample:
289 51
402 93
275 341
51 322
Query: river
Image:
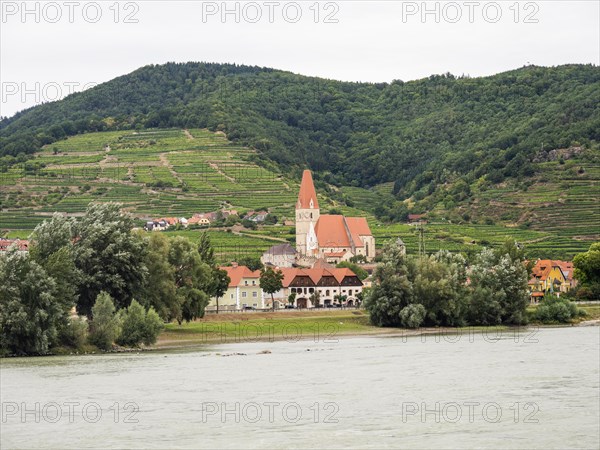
534 389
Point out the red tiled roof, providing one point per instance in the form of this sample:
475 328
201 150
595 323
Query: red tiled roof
358 226
537 294
22 244
307 192
315 275
340 274
542 268
331 232
237 273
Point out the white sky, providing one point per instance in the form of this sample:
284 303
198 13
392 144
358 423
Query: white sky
371 41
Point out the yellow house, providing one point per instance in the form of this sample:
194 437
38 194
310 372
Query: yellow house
243 292
550 276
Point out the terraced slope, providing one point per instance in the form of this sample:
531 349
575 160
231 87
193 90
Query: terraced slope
153 172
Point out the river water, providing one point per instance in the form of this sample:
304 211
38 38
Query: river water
535 389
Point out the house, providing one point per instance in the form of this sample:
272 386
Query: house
320 234
169 220
199 219
417 218
156 225
337 257
243 291
329 283
281 255
229 212
256 216
21 244
550 276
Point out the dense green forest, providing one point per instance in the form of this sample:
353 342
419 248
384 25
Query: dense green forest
419 135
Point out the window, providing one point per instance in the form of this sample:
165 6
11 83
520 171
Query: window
232 296
246 282
254 294
253 282
255 304
244 294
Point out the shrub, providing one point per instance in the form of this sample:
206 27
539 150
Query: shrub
412 316
104 328
139 326
75 333
556 310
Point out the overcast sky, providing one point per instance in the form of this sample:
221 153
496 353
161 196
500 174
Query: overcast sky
54 47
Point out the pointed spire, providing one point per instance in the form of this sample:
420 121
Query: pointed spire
307 193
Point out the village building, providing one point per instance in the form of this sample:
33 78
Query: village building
550 277
281 255
329 285
329 236
243 292
21 244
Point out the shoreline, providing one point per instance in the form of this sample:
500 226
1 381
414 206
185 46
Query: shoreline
175 344
198 340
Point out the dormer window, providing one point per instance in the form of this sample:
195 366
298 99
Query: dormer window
312 205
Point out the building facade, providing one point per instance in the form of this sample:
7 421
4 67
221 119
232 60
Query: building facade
243 292
328 285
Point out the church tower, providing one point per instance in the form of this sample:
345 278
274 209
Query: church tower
307 215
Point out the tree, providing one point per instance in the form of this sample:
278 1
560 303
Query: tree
205 249
271 281
412 316
159 290
105 326
292 298
392 289
340 298
251 262
138 326
192 279
587 269
315 299
109 257
359 271
52 248
499 292
30 315
439 285
220 284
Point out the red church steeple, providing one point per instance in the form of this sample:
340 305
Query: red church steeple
307 198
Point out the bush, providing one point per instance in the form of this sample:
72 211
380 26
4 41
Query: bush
75 333
412 316
557 310
139 326
104 328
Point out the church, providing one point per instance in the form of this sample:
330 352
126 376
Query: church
333 238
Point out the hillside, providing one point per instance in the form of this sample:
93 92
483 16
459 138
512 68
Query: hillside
518 149
174 172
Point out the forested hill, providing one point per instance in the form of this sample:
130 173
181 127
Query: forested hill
417 134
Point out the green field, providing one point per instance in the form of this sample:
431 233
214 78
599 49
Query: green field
293 326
